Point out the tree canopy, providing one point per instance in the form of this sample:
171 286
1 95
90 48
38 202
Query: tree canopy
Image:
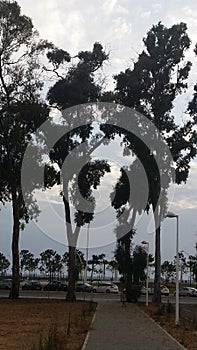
21 112
157 78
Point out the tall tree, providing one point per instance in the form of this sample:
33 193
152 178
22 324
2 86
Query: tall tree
151 87
78 85
21 112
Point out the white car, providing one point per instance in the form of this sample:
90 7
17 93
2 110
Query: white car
143 290
106 287
187 291
164 290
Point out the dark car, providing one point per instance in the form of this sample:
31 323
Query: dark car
32 285
84 287
55 286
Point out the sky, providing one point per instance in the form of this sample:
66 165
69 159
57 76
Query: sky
119 25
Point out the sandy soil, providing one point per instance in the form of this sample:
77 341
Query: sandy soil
25 321
185 333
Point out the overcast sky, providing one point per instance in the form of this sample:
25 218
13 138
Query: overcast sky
120 26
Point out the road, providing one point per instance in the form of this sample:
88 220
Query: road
62 295
188 305
93 296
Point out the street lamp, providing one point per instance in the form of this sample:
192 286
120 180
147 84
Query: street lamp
172 215
147 262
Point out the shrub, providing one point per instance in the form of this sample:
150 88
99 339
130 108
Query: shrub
133 293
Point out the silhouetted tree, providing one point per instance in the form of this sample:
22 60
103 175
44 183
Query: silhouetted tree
75 86
157 78
21 112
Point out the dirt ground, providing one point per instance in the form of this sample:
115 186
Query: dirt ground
185 333
28 324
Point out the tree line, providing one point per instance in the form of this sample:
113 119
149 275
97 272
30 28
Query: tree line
187 265
159 75
52 265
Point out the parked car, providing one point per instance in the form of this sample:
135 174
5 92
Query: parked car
32 285
106 287
55 286
84 287
187 291
5 284
143 290
164 290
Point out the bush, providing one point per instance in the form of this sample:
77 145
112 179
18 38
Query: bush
133 293
160 310
170 308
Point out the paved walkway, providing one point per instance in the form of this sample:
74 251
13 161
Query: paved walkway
116 327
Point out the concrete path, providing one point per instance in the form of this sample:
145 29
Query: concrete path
117 327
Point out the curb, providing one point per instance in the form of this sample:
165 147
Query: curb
168 334
88 334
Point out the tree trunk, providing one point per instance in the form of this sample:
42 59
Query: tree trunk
14 292
71 274
129 272
70 296
157 289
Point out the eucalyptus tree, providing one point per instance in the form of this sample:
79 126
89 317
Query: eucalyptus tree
21 112
77 84
151 87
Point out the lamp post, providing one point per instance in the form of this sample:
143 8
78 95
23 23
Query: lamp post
147 262
172 215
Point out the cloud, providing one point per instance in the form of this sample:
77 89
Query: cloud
111 7
145 14
156 7
185 194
